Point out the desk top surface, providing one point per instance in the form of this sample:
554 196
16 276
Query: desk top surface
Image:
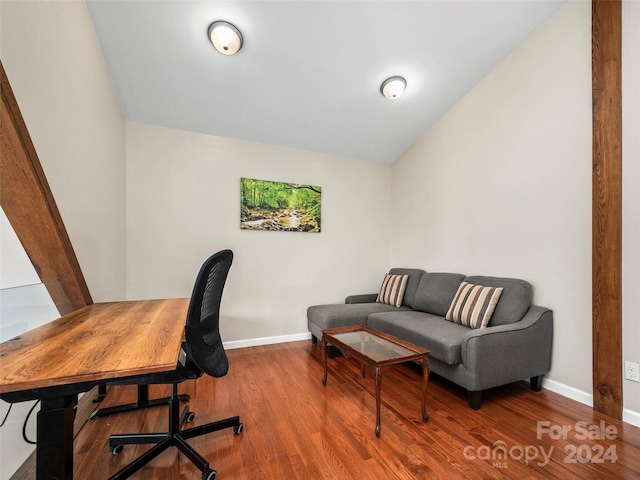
97 342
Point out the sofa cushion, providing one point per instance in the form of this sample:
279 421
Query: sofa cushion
412 285
473 305
392 289
436 291
443 339
514 301
342 315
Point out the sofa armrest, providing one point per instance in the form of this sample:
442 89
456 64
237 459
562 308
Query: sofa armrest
364 298
508 353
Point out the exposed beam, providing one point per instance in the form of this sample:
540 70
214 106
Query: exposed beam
29 205
607 206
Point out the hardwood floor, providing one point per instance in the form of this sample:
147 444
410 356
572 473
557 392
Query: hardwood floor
297 429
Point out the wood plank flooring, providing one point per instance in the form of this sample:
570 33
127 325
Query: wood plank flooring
297 429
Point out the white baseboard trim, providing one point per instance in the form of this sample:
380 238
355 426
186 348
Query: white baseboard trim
631 417
567 391
254 342
628 416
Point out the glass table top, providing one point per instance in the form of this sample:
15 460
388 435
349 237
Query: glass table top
374 347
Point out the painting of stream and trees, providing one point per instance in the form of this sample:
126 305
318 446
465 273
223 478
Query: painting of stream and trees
267 205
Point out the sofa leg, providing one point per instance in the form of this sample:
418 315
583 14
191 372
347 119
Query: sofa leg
475 399
332 352
536 383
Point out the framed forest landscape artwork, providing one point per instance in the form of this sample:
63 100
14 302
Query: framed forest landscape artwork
279 206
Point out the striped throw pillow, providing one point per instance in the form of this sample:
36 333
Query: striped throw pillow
473 305
392 289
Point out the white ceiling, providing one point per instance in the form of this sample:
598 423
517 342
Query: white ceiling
309 73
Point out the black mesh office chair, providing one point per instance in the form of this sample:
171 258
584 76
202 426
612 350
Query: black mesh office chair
201 352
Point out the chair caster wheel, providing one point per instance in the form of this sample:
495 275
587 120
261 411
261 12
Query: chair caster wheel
210 475
238 429
117 450
190 416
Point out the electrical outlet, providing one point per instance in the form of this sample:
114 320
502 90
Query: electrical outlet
631 371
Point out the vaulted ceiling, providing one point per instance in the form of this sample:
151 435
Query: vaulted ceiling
309 73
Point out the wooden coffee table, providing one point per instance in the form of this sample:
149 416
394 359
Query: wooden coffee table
378 350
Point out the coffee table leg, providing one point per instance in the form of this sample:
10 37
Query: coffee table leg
323 345
425 382
378 388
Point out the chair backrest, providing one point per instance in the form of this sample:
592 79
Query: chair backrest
202 333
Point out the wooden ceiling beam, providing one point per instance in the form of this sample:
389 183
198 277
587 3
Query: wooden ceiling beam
29 205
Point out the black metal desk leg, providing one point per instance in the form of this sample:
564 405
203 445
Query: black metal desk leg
102 392
54 451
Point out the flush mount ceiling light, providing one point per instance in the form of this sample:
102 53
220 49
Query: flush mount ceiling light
225 37
393 87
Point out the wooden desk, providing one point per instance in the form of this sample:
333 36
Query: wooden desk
103 341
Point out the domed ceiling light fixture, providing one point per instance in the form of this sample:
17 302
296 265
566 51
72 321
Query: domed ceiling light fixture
225 37
393 87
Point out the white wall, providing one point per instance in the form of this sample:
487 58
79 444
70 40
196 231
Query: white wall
501 185
183 204
17 269
54 63
631 197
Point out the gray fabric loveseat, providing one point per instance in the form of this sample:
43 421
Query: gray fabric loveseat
514 346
